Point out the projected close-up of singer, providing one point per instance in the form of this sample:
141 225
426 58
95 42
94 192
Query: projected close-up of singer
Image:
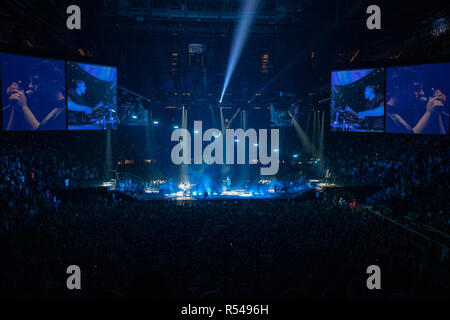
33 93
417 99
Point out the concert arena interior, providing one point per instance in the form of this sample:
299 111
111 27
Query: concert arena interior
222 150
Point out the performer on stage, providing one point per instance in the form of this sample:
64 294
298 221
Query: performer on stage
276 188
186 187
228 184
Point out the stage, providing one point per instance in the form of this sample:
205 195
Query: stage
233 194
181 193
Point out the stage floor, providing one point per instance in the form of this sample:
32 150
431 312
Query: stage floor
225 195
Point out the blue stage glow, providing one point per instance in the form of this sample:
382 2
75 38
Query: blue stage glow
275 150
239 38
256 145
295 155
155 122
176 127
134 117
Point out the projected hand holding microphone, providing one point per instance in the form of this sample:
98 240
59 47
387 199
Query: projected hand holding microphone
434 113
416 99
20 110
435 103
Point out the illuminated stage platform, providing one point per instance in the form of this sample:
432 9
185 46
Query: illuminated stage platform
225 195
260 192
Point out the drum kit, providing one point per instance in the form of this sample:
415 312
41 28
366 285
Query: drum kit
100 115
348 120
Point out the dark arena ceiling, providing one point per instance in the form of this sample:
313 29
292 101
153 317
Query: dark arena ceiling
303 39
204 18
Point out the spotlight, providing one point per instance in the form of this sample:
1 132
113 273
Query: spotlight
256 145
275 150
239 38
295 155
176 127
155 122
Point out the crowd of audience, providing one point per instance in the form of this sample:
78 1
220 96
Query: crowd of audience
412 171
290 248
218 249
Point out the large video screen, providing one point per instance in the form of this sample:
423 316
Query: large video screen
91 96
417 99
357 100
33 93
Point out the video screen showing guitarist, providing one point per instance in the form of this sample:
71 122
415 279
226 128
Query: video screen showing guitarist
91 97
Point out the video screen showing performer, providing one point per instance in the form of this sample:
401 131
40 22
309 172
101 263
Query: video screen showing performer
357 100
417 99
33 93
91 97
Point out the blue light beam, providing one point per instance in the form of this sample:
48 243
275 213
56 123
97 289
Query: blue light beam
239 38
